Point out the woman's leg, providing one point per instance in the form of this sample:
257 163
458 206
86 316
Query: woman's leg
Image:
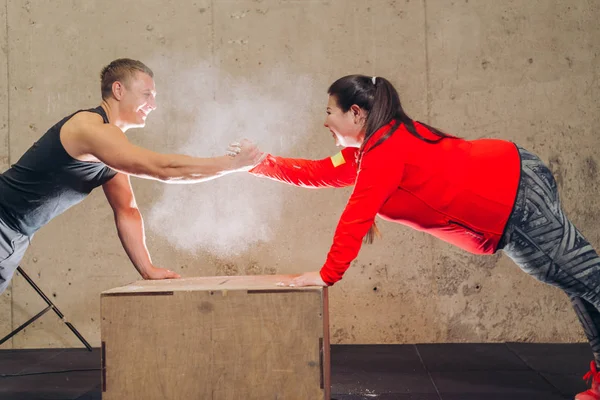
545 244
590 319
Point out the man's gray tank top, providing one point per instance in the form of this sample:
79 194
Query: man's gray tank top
46 181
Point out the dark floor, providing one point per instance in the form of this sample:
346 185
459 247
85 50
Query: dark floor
512 371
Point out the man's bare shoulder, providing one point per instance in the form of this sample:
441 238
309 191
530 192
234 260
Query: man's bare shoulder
85 118
85 133
84 123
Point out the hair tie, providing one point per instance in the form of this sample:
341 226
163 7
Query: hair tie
373 79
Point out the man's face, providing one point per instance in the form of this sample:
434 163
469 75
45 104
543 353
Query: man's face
138 100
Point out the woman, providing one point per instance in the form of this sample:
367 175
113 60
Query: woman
482 195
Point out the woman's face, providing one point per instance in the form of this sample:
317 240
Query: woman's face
347 128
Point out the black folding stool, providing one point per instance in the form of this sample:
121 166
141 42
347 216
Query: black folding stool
52 306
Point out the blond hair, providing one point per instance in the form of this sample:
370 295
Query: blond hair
120 70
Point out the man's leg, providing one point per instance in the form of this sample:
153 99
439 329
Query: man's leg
12 249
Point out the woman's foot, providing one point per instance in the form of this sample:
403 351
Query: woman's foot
594 392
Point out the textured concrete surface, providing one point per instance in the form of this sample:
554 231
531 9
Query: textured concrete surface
520 70
527 72
6 298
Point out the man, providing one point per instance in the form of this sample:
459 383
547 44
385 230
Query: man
89 149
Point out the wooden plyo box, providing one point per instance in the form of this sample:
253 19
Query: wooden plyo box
215 338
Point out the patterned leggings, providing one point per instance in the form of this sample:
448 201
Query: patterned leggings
545 244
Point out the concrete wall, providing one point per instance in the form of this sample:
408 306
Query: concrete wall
522 70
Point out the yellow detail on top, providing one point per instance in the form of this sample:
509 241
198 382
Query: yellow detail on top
338 159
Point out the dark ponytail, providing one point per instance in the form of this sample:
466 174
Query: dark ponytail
378 97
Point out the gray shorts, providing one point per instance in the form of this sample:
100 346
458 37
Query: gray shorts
13 245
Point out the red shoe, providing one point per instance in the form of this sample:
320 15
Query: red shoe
594 392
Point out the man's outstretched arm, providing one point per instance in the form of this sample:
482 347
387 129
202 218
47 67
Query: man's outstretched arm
110 145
